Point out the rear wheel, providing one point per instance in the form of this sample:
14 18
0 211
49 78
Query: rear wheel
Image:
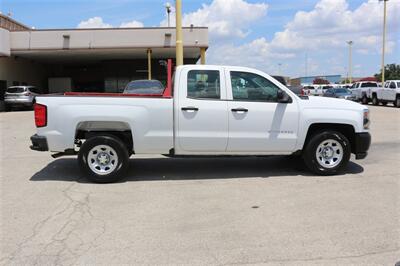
364 99
327 153
103 159
375 100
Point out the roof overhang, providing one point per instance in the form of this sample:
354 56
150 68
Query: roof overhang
105 44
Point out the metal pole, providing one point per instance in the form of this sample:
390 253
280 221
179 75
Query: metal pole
179 43
350 43
202 55
149 64
306 65
383 41
168 7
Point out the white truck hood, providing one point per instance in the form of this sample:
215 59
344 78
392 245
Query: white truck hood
317 102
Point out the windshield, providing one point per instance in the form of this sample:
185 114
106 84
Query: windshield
15 89
144 86
398 84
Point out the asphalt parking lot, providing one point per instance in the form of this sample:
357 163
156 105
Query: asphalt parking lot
200 211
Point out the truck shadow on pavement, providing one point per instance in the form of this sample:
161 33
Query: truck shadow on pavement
153 169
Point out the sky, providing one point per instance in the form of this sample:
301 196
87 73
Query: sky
286 37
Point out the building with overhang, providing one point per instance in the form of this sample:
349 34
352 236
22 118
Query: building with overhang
95 60
333 79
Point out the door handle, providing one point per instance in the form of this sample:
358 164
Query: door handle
190 109
239 110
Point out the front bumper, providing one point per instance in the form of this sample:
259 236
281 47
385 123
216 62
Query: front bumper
362 141
39 143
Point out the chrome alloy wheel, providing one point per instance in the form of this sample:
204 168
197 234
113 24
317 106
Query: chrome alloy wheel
329 153
102 159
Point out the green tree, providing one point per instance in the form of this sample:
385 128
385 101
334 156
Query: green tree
392 71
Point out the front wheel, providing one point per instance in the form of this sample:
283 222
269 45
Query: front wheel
327 153
397 102
103 159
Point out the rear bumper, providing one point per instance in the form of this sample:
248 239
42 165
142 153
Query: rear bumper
362 142
39 143
19 101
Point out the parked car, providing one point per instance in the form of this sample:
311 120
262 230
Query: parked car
213 110
363 90
315 90
323 88
340 93
389 93
308 90
144 87
20 96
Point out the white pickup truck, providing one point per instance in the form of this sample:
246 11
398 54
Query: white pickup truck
390 92
362 90
212 110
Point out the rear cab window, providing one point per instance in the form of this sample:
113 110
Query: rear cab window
369 84
16 90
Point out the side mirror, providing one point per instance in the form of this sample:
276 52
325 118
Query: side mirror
283 97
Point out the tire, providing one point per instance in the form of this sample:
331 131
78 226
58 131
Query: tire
7 108
375 100
337 151
103 159
397 102
364 99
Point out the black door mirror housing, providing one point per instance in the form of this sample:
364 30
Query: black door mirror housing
283 97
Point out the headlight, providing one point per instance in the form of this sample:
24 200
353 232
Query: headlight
366 121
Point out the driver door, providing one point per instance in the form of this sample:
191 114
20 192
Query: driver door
257 122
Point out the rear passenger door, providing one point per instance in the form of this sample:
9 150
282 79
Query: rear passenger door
201 119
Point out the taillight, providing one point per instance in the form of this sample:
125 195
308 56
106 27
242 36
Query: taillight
40 115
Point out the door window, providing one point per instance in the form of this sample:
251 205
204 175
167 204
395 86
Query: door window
252 87
392 85
203 84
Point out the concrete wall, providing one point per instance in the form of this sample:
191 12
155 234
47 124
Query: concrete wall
22 70
105 38
4 42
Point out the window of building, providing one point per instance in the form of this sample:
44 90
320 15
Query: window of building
204 84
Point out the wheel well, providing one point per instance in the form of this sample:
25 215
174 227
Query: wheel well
125 136
346 129
374 94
